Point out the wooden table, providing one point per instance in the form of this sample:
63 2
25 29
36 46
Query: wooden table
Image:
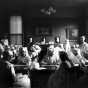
39 78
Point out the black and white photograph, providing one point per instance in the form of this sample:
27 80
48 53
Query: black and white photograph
43 43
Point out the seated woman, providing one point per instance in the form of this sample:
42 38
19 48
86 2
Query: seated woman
8 78
75 55
51 58
71 54
73 58
23 57
35 51
57 79
77 52
34 61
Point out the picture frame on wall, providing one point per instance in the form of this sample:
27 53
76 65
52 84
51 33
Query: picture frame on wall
44 31
72 34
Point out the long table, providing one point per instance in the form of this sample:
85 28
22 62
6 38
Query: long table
39 78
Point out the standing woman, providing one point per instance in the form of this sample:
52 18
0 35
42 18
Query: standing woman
83 47
30 43
67 45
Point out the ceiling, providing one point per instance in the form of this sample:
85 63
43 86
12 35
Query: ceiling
60 3
31 8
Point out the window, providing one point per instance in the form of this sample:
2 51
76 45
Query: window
16 30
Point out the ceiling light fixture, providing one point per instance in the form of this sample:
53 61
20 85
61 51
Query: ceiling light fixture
48 9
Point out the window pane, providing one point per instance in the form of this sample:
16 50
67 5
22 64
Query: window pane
15 25
12 25
19 39
16 39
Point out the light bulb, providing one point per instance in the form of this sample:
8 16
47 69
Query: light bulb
42 10
54 10
50 8
46 12
49 12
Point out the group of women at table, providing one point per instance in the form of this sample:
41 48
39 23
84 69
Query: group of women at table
70 58
60 58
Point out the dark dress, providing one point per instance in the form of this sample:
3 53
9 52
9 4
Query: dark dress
29 46
60 77
6 79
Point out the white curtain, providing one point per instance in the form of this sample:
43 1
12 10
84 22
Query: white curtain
16 39
16 30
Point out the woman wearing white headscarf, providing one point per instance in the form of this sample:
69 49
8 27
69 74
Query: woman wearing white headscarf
52 57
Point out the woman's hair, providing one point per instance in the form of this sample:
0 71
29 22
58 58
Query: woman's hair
23 49
83 37
50 49
7 55
63 56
